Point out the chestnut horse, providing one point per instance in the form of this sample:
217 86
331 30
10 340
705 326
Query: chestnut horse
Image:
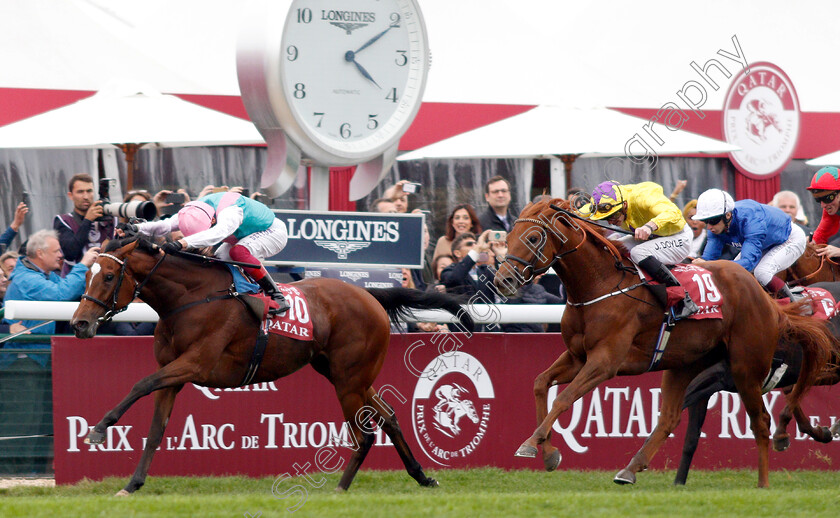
206 338
811 268
718 377
610 327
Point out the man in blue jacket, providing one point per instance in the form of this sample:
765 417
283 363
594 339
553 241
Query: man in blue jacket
35 277
769 242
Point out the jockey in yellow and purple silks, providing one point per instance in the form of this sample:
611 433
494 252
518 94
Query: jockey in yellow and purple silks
248 230
660 234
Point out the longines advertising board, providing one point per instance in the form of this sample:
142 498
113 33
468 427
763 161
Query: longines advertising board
358 239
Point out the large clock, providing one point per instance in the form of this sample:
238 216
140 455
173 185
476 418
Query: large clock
340 83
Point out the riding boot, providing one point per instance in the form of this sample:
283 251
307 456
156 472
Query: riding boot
270 289
683 307
779 289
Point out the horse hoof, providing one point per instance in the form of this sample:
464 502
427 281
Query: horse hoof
95 437
823 434
552 461
430 482
526 451
340 489
781 444
625 477
835 429
123 492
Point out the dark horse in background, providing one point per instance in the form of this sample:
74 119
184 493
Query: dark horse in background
611 324
811 268
207 339
718 377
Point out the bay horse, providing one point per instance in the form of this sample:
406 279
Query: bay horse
610 328
207 339
719 378
811 268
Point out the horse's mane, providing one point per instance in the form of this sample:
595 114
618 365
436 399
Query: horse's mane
148 244
533 210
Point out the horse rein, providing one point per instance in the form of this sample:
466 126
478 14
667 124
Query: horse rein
538 253
584 233
111 311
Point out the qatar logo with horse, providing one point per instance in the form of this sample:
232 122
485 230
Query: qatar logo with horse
761 116
451 407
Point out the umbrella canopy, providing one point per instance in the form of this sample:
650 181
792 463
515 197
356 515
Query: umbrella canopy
829 159
128 117
551 131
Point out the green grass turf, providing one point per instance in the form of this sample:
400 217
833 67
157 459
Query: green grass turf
463 493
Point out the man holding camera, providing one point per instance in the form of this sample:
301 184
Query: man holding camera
87 226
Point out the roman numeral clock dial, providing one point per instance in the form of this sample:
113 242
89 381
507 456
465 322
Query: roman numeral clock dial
343 82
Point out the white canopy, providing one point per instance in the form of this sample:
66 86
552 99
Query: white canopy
129 114
829 159
549 131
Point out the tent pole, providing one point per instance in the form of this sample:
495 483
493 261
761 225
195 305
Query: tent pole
130 151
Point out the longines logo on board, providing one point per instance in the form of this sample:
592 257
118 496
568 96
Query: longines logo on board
761 116
451 407
343 236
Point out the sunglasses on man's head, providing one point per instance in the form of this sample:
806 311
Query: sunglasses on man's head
828 198
713 221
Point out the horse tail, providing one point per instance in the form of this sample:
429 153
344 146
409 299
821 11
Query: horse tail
398 301
818 346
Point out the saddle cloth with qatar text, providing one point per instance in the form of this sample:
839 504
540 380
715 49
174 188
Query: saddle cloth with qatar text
295 322
823 304
700 285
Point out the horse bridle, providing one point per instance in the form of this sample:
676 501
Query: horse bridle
111 311
538 253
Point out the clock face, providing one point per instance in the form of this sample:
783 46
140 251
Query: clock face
352 73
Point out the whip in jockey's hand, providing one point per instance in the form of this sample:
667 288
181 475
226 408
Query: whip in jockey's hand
247 229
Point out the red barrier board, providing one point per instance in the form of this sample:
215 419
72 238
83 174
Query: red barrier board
472 407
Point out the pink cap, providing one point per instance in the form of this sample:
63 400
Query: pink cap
195 217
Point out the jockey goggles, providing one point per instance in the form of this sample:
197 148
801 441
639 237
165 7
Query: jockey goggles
713 220
825 198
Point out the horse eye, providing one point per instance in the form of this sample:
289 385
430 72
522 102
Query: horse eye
532 239
109 277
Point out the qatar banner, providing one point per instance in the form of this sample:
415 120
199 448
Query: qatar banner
460 402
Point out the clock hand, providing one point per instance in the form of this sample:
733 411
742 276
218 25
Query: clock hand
350 56
373 40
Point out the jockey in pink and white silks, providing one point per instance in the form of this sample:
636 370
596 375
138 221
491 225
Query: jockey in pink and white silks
248 230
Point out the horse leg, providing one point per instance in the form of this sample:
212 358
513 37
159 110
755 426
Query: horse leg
749 388
351 403
696 417
818 433
781 438
392 427
674 384
177 373
562 371
164 401
593 372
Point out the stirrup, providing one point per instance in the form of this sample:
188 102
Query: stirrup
282 303
687 307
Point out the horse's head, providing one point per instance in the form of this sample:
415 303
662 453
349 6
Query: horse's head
539 237
110 286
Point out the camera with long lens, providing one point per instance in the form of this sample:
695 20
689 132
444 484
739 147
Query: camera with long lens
134 209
